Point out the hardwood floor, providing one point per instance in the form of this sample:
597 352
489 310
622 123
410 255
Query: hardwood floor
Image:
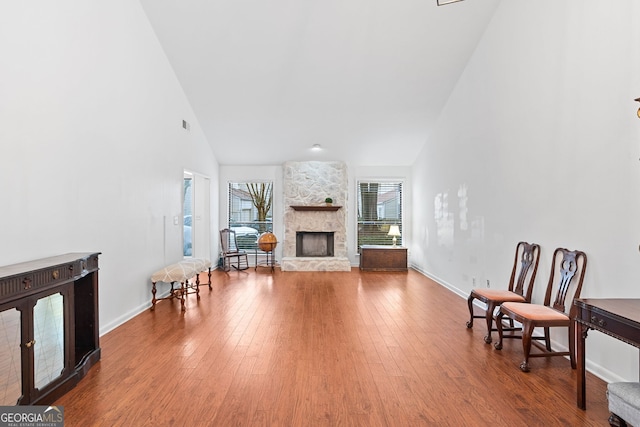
326 348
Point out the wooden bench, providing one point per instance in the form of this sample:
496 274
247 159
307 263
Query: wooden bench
181 272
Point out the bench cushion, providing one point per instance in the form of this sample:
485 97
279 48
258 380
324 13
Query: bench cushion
181 271
624 401
198 264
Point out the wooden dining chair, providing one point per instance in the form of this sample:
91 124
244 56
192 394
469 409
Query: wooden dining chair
523 275
567 272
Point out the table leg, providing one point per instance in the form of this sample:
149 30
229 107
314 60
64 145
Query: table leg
272 261
581 374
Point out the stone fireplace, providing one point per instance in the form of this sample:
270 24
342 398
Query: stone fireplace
315 235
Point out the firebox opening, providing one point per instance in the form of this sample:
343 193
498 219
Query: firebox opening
314 244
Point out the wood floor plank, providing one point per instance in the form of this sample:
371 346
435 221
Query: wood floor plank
321 349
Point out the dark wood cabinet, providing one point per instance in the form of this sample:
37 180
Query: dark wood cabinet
383 258
49 335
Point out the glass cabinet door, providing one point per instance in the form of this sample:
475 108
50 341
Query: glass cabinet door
48 339
10 357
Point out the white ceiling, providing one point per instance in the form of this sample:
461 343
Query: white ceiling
365 79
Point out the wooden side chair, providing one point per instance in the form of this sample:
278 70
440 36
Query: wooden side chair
523 275
567 266
230 251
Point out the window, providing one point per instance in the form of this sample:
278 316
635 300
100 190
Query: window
379 206
250 211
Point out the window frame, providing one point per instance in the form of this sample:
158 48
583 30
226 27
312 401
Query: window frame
383 239
248 241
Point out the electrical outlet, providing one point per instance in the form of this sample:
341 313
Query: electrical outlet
488 283
473 280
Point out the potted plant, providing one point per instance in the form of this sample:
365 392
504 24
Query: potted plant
328 201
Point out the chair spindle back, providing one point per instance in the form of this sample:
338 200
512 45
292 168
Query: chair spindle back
529 254
572 264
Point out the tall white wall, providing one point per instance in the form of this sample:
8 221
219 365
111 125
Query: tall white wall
540 142
92 149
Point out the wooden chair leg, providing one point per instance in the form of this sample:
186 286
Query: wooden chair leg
470 304
489 317
547 339
527 332
499 316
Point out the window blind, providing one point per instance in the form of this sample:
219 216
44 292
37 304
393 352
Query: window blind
379 207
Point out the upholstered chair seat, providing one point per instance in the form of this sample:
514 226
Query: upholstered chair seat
498 294
535 312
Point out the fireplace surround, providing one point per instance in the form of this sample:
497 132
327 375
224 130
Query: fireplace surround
306 186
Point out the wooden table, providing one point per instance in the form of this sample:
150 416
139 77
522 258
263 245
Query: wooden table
619 318
383 258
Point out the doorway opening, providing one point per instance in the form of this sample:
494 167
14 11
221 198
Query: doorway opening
196 216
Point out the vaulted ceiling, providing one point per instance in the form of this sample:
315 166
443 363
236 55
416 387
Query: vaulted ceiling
365 79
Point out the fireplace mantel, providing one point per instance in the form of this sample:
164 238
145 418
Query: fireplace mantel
316 208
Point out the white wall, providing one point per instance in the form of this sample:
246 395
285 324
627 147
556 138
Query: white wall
542 133
92 149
